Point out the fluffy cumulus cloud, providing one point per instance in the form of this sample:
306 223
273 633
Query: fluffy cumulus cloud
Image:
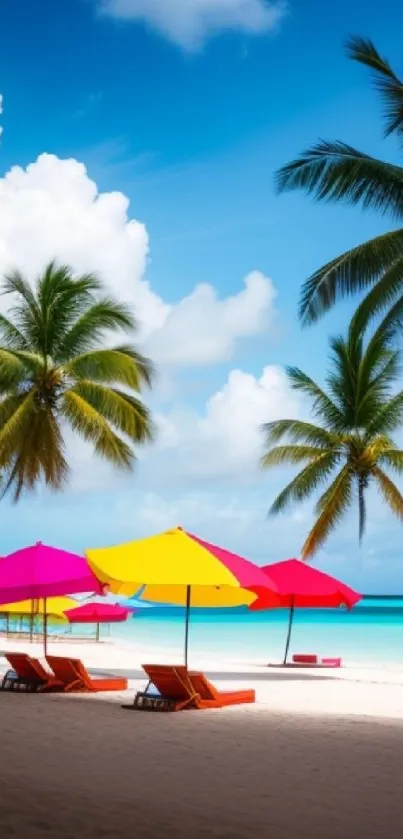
190 22
203 329
222 443
53 208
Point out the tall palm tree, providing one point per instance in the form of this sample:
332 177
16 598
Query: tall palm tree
335 171
55 370
348 446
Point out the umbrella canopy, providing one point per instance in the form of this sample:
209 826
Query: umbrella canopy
300 585
167 564
55 607
179 568
98 613
42 571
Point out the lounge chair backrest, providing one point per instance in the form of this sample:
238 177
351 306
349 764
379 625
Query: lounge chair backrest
202 685
170 680
82 672
27 667
63 668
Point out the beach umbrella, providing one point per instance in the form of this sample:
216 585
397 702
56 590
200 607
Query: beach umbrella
40 571
55 607
179 568
301 586
98 613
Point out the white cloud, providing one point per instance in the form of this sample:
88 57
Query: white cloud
224 442
190 22
202 329
53 209
221 444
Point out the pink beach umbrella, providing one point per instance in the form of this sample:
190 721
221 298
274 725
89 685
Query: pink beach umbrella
41 571
301 586
98 613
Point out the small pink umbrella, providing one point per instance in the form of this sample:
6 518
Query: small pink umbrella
98 613
300 585
41 571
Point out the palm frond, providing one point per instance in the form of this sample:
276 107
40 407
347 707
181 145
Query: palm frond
388 418
386 81
11 336
389 491
392 458
322 405
299 431
94 428
40 456
126 413
332 505
352 272
386 294
306 482
62 298
15 425
290 454
90 328
335 171
121 365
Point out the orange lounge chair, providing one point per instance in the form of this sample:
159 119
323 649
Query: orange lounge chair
175 691
180 690
27 674
207 691
72 673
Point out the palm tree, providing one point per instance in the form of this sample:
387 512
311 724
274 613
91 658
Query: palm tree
348 445
55 371
335 171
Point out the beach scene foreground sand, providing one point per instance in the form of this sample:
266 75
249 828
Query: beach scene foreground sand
317 757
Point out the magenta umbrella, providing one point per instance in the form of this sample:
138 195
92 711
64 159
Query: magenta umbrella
98 613
41 571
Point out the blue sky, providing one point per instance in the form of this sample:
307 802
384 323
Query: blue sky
189 115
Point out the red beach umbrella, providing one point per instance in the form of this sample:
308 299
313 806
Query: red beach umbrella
301 586
98 613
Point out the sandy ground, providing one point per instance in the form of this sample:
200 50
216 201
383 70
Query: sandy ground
303 763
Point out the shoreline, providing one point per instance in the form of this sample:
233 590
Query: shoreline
351 691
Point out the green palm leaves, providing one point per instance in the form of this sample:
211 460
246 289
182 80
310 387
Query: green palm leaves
335 171
55 369
348 445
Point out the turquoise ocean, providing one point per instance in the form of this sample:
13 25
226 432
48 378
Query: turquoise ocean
372 632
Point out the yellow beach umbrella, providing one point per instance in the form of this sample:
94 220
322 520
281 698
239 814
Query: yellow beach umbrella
179 568
55 608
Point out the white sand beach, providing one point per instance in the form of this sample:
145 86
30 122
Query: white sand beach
318 756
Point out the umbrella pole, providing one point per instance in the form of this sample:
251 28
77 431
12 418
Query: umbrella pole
31 622
290 620
97 635
188 595
45 629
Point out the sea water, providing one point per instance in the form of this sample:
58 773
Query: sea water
372 632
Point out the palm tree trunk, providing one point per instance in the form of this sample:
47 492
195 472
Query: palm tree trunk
362 483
